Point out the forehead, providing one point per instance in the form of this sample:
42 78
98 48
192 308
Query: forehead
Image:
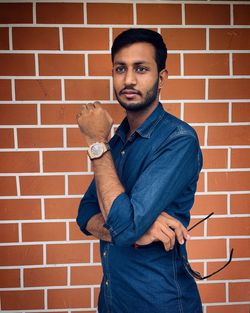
136 52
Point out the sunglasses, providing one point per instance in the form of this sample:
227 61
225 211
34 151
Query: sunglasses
187 265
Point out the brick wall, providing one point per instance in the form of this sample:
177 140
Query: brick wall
55 56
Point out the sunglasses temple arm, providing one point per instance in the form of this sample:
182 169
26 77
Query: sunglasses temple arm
201 221
220 269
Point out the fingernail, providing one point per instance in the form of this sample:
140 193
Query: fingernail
188 237
182 241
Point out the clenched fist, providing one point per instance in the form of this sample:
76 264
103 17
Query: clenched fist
94 122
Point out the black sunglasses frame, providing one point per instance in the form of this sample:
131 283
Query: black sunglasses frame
187 265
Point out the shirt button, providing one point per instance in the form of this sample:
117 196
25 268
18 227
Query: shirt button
107 283
123 152
104 253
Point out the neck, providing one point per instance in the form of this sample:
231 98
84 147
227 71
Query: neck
135 119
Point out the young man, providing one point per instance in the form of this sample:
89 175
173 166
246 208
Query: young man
144 186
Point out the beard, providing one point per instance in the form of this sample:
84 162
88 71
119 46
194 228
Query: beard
146 102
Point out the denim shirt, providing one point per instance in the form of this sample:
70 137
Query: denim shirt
159 167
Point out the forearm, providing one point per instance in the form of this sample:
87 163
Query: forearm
108 185
95 227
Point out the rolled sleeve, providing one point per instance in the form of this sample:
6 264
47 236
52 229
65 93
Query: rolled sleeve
173 167
88 207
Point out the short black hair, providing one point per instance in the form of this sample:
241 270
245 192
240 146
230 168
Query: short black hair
134 35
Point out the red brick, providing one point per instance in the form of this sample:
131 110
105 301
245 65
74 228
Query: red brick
109 13
228 89
206 64
241 14
241 247
96 294
9 278
236 270
61 64
241 64
22 299
65 161
40 137
78 39
86 89
239 291
173 64
200 130
38 89
207 14
230 226
14 114
96 253
206 112
5 89
200 185
229 181
228 135
240 158
43 231
183 89
51 276
205 204
197 230
79 184
72 298
100 65
86 275
68 253
36 38
229 39
8 186
206 248
6 138
165 14
21 255
13 13
173 108
20 209
241 112
212 293
64 208
42 185
17 64
59 13
75 138
239 204
239 308
214 158
17 162
4 35
184 38
76 234
8 232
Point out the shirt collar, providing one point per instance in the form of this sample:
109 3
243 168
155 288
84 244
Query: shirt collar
147 127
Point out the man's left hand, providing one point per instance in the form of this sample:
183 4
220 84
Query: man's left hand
94 122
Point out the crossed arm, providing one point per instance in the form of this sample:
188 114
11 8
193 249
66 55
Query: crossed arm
110 190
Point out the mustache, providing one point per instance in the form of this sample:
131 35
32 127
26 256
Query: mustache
129 89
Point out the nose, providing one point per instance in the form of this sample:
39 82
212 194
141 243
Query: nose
130 78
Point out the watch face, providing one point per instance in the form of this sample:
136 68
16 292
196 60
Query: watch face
96 149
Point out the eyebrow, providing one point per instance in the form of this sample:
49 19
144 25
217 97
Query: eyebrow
136 63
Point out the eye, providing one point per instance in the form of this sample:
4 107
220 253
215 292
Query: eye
120 69
141 69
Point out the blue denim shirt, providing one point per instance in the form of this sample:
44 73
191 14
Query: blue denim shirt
159 167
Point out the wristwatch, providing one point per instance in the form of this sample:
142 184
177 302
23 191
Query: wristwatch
97 150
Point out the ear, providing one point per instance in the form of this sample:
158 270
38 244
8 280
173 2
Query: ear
163 76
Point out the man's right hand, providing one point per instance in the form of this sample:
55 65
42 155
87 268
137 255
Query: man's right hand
165 229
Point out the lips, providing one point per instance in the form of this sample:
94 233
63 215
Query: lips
129 93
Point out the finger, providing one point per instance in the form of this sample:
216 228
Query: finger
78 115
170 234
180 231
90 106
165 240
97 104
84 106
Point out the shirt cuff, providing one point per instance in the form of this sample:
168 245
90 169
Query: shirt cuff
120 215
